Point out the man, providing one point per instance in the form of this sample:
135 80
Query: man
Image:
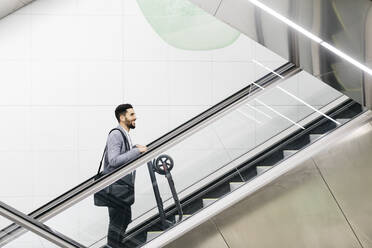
120 150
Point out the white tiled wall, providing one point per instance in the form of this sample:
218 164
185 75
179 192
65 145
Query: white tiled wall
66 64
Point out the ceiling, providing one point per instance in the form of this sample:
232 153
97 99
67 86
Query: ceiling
9 6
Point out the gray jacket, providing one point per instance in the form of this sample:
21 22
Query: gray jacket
117 154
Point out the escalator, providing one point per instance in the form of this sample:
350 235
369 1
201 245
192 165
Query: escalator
231 168
247 171
218 155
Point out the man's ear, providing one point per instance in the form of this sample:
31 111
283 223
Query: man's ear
122 118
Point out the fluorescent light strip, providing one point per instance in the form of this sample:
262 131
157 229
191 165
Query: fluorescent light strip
267 68
300 100
312 36
285 117
346 57
286 20
259 86
256 109
249 117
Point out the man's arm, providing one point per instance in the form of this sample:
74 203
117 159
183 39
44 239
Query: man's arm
114 143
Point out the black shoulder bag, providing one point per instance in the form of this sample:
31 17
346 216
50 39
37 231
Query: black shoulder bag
120 194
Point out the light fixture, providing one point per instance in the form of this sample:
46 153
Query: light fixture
311 36
286 20
346 57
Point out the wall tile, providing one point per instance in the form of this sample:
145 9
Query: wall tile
100 83
53 129
15 33
89 163
131 7
100 37
277 97
15 129
55 172
54 7
21 203
30 240
191 83
14 163
192 166
55 37
261 53
229 77
181 114
146 83
66 222
54 82
277 124
4 222
141 42
204 139
242 120
269 66
15 87
94 126
100 7
90 228
180 54
152 122
241 50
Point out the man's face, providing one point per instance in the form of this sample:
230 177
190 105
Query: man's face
129 118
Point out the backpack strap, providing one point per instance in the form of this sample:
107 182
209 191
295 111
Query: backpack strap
104 152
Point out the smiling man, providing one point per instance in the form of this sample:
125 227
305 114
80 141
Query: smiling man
120 150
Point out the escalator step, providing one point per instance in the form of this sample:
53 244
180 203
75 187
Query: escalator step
236 178
350 113
153 234
324 128
272 159
298 143
248 173
342 121
208 201
184 217
219 191
235 185
262 169
288 153
193 207
314 137
135 241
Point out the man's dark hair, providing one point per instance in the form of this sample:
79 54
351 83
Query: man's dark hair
121 110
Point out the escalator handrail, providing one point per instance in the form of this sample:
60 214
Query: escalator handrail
91 185
37 228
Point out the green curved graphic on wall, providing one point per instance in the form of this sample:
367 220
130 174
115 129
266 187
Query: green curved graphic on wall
184 25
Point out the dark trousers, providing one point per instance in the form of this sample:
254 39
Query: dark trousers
119 220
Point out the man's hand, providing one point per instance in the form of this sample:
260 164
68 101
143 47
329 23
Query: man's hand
141 148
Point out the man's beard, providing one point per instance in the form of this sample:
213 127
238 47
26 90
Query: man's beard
130 125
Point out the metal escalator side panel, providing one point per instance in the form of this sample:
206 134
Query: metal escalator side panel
258 184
